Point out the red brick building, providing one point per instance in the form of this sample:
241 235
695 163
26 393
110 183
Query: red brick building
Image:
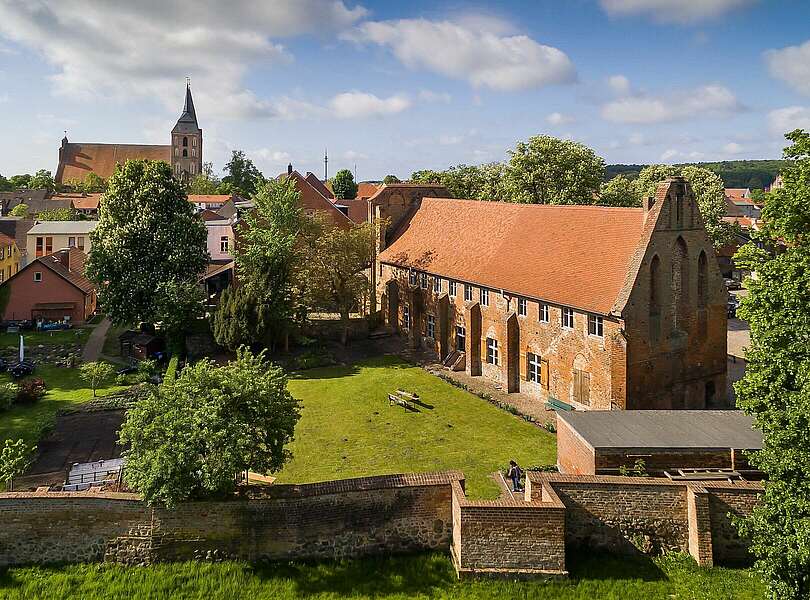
52 288
603 308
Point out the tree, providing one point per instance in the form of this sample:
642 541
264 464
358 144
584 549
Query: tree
239 319
20 181
546 170
14 460
776 386
709 193
5 185
57 214
334 264
343 185
95 374
147 238
266 258
243 178
43 180
181 305
619 191
194 434
389 179
205 182
21 210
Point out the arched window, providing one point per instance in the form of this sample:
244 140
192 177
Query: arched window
194 141
680 284
185 152
185 141
702 292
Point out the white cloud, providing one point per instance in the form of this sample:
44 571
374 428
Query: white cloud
733 148
672 155
359 105
145 49
619 84
791 65
557 118
708 100
269 156
353 155
477 50
429 96
784 120
673 11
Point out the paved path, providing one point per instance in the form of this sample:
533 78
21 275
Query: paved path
92 349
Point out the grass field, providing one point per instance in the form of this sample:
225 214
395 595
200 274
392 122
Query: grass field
64 388
348 429
46 338
428 576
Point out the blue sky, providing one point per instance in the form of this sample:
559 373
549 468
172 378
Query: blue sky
392 87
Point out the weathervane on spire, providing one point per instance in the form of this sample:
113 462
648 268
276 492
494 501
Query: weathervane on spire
188 81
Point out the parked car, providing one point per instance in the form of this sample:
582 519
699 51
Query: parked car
22 369
733 284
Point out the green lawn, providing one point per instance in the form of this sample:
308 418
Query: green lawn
428 576
65 388
348 429
34 338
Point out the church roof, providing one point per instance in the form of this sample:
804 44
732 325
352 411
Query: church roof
77 161
187 123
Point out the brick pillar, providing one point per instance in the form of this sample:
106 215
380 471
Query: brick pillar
700 526
473 321
417 311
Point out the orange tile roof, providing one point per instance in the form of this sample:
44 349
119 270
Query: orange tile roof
313 180
366 189
209 198
80 201
79 160
575 256
74 273
313 200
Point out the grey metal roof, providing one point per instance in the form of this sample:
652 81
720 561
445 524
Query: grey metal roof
665 428
65 227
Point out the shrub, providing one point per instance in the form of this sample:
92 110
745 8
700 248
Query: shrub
8 394
30 391
15 457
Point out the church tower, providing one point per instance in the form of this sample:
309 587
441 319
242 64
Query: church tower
187 142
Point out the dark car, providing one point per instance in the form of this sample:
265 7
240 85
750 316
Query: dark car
733 284
22 369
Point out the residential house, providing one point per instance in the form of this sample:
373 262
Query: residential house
210 201
9 257
17 228
47 237
598 307
52 288
82 203
31 198
740 203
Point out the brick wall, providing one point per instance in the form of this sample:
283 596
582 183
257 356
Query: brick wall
574 455
396 513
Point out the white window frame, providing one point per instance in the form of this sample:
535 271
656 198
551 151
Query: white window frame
451 288
542 312
437 284
484 295
533 366
224 244
37 276
461 332
430 327
468 295
596 326
412 278
567 314
492 351
406 316
423 281
523 307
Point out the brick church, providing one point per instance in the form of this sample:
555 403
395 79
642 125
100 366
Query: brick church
599 307
184 154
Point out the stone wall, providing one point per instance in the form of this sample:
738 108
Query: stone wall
395 513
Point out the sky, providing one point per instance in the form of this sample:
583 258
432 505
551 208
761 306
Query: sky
393 87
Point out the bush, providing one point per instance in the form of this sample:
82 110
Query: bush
8 394
30 391
171 370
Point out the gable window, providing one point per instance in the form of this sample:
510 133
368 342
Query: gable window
423 281
467 292
492 351
430 330
533 367
484 297
412 277
223 243
437 284
37 276
71 242
406 317
80 240
451 288
461 338
543 313
596 326
523 307
568 318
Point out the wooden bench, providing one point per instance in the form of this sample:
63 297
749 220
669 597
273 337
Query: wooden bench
408 396
395 399
554 404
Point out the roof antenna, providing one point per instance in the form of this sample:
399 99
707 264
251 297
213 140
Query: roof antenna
325 165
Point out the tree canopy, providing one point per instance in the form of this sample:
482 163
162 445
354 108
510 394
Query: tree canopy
205 182
21 210
147 239
776 385
196 432
5 185
389 179
344 186
619 191
42 180
243 178
57 214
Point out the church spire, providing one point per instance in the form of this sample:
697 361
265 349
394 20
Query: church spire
189 114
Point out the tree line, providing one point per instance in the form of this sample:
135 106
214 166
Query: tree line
753 174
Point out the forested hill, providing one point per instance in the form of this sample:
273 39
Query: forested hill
735 173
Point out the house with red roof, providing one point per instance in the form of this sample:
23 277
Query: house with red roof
585 307
51 288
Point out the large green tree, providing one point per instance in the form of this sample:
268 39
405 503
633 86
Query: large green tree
776 385
333 267
20 181
206 182
42 180
243 178
57 214
147 240
547 170
240 318
195 433
619 191
5 185
21 210
344 186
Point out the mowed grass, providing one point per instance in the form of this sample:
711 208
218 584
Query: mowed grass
428 576
46 338
64 388
348 429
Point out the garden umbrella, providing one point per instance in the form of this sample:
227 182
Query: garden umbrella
22 349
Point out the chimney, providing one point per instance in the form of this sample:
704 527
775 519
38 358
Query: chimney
289 169
63 256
